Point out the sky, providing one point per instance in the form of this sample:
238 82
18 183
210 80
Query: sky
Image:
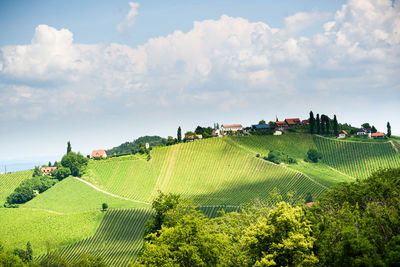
100 73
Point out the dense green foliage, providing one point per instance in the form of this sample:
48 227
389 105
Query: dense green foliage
313 155
261 236
277 157
62 173
127 147
29 188
358 224
75 162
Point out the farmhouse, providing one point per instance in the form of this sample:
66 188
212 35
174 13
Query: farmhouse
48 170
363 131
100 153
378 135
293 122
343 134
260 127
231 128
281 125
305 122
216 132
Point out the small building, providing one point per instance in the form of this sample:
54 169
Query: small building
363 131
48 170
293 122
343 134
216 132
231 128
195 137
305 122
147 145
261 127
378 136
278 132
100 153
281 125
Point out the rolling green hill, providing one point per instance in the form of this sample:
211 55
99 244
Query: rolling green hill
211 172
72 195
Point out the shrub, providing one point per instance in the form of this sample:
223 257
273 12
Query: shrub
278 157
313 156
62 173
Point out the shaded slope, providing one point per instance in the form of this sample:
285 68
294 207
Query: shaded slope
9 181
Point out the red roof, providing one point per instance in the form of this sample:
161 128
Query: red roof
292 121
232 125
48 170
309 204
98 153
305 122
280 123
343 131
377 134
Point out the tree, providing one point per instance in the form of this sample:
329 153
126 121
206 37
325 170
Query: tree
313 155
335 126
322 125
309 197
318 123
62 172
261 122
327 124
75 162
69 148
366 125
389 130
37 172
29 252
104 207
179 134
49 165
373 129
312 122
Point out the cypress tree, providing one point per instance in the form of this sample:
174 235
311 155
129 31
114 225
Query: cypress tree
389 130
322 124
312 122
29 252
327 124
69 149
179 135
335 126
318 123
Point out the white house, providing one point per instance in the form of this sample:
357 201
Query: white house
231 128
342 134
278 133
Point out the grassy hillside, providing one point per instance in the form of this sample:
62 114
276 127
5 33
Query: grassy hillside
43 228
72 195
212 172
357 159
9 181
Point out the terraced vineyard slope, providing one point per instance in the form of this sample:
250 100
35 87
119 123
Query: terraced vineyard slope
118 239
357 159
9 181
211 172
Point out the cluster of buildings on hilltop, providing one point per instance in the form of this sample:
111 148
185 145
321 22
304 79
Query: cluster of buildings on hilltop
363 133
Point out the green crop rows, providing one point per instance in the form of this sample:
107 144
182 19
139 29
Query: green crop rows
118 238
211 172
357 159
9 181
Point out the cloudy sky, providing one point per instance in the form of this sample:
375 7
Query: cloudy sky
100 73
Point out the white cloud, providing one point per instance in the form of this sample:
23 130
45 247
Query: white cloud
129 20
250 60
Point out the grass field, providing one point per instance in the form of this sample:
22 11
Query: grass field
357 159
211 172
44 229
72 195
9 181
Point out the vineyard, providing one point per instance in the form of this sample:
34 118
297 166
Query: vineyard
211 172
357 159
72 195
9 181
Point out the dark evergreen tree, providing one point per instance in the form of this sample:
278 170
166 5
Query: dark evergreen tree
335 126
179 134
327 124
373 129
29 252
49 165
309 197
312 122
69 149
322 124
389 130
318 124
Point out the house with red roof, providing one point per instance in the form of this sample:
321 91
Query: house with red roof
231 128
378 136
293 122
100 153
47 170
281 125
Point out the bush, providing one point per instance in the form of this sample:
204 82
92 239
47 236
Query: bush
313 156
62 173
26 190
278 157
75 162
